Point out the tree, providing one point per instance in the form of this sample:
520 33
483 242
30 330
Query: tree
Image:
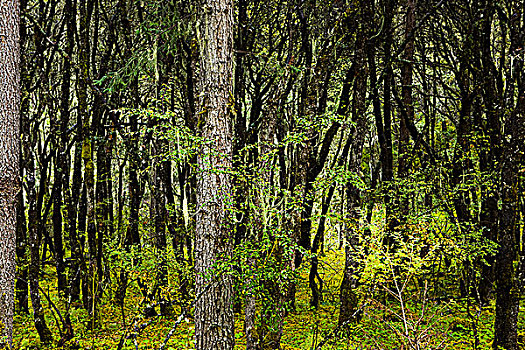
349 302
507 291
9 159
397 124
213 244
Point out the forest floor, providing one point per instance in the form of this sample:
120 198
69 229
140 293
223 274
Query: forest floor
433 325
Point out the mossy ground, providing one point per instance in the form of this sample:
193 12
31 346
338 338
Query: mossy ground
440 325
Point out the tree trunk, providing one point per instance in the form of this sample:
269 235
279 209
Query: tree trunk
9 160
21 285
406 76
72 194
342 109
507 292
22 263
348 297
490 151
214 322
89 284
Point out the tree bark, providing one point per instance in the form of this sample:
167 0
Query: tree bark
9 159
21 284
406 79
507 294
214 322
406 75
347 296
507 291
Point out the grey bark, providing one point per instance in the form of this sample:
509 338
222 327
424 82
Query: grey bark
214 322
9 159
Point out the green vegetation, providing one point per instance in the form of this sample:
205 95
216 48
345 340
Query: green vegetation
428 311
263 174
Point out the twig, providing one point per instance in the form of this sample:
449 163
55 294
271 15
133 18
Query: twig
172 330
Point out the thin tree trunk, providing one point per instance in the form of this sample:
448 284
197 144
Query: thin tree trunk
387 163
22 263
344 100
35 240
87 156
72 195
406 78
348 297
490 149
132 233
21 285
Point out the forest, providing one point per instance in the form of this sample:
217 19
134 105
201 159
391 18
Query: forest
262 174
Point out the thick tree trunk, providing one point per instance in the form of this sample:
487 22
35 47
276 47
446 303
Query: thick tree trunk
214 325
9 160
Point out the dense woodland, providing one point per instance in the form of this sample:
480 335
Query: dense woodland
266 174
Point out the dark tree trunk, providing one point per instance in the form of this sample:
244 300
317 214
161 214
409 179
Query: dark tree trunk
22 252
34 198
72 194
101 117
132 234
348 298
490 149
89 281
507 291
21 284
35 241
406 79
342 110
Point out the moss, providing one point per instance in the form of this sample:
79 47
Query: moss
86 149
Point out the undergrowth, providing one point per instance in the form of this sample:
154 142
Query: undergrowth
444 323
